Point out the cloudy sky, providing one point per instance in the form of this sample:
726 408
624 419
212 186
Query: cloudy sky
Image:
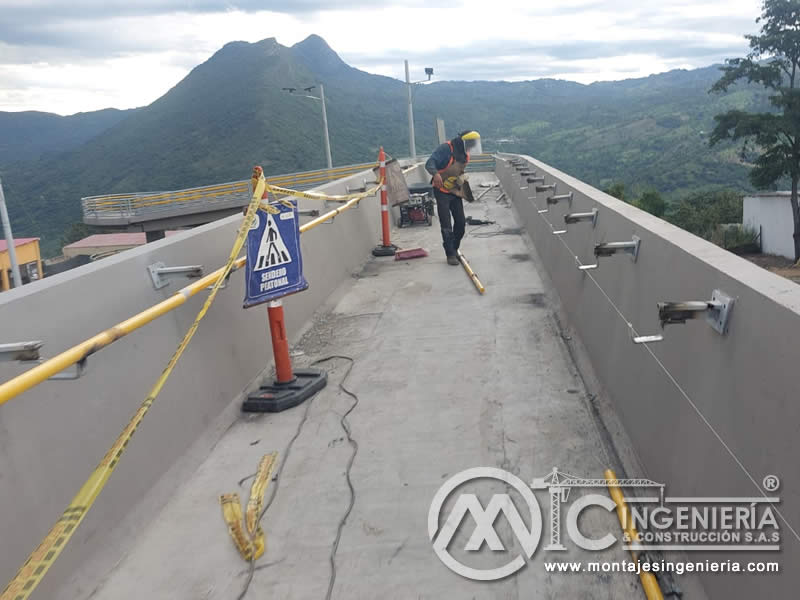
68 56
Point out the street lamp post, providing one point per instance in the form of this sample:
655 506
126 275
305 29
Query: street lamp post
321 98
325 124
412 144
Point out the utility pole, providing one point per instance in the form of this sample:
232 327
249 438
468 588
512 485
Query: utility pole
325 123
412 144
12 251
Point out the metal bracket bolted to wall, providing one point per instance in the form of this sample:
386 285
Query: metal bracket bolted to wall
20 351
309 212
161 274
70 373
28 352
358 190
547 187
717 311
559 198
578 217
224 283
612 248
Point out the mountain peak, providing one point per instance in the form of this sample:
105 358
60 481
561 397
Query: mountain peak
319 56
314 42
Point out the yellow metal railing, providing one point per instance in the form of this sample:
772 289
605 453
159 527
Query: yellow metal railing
111 205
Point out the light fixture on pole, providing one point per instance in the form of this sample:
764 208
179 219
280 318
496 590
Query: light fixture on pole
321 98
412 144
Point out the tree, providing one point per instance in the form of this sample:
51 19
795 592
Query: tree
617 190
652 202
701 212
772 139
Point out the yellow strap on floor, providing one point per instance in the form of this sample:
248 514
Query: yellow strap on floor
40 561
250 542
232 513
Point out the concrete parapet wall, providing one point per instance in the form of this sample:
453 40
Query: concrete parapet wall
744 383
53 436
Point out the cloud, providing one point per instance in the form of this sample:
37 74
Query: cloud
583 40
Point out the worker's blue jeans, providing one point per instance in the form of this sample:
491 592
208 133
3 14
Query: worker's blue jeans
452 232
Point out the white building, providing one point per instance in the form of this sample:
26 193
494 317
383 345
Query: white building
771 214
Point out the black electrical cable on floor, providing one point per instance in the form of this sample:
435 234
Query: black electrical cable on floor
354 445
277 477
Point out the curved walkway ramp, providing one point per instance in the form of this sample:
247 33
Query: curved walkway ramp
159 211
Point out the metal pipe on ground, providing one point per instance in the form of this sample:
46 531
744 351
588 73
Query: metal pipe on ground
649 582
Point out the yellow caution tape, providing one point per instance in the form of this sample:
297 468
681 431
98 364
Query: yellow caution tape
40 561
232 514
250 543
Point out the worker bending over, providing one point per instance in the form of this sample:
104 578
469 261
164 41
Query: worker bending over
447 165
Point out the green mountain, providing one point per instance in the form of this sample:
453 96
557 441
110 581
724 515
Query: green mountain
230 113
29 135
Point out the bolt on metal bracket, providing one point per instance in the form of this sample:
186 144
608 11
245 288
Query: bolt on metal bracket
717 311
538 179
557 199
160 274
547 187
578 217
527 173
611 248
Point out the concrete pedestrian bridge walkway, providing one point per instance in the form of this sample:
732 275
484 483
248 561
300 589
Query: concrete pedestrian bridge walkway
540 373
446 380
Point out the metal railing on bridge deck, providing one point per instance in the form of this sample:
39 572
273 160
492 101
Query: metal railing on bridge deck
144 206
116 209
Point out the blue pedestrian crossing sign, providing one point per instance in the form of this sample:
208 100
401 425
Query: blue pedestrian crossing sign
274 265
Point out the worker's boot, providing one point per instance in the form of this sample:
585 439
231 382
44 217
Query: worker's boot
452 260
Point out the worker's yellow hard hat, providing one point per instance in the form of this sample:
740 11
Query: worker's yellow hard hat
471 135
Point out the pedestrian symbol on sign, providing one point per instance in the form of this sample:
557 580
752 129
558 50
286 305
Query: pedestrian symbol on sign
272 252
